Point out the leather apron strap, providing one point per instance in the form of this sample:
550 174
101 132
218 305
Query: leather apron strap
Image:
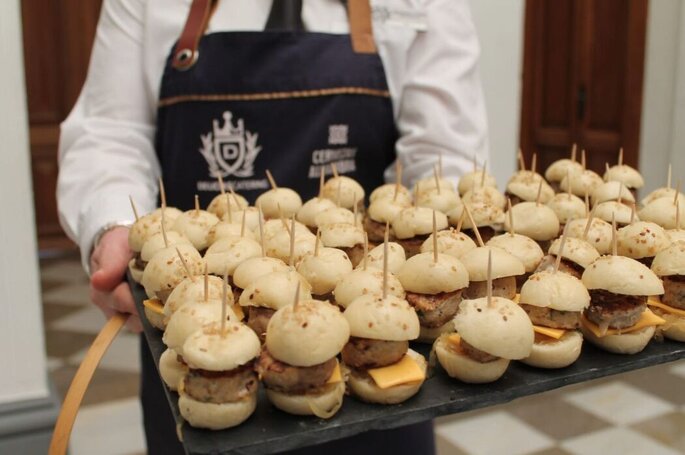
186 52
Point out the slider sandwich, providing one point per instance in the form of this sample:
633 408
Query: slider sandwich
524 186
227 253
334 215
346 237
392 191
581 183
226 202
365 281
152 245
612 191
664 212
380 212
443 199
559 169
522 248
298 363
345 192
323 270
475 179
617 210
597 234
413 225
252 269
485 195
534 220
505 270
451 242
396 257
195 224
576 256
669 265
278 202
308 212
625 174
566 207
642 241
486 218
142 229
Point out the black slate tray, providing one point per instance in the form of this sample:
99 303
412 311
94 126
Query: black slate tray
270 430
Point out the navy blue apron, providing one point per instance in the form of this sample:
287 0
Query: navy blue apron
235 104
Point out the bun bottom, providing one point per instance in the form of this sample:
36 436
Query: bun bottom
171 370
364 388
429 335
556 354
674 329
324 404
464 368
626 343
216 416
136 273
156 320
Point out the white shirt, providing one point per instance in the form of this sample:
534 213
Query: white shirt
429 51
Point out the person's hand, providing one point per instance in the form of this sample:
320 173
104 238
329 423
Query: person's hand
108 265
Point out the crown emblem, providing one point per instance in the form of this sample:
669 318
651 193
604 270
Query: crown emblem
229 150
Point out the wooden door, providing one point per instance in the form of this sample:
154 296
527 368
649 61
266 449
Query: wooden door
58 36
582 79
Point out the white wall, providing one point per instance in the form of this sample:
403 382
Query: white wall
500 30
22 352
662 137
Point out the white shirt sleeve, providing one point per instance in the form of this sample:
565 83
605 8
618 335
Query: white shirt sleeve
441 106
106 150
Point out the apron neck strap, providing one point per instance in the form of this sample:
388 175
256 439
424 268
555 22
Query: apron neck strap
186 52
285 15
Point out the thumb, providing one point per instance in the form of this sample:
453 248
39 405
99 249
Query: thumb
113 258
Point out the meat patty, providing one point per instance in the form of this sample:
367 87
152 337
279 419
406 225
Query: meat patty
501 287
521 279
236 293
434 310
287 378
221 386
476 354
674 291
555 319
486 233
163 295
139 263
355 253
363 353
614 310
412 246
513 198
258 318
646 261
565 266
375 230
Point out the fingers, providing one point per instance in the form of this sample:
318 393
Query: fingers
133 324
119 300
110 260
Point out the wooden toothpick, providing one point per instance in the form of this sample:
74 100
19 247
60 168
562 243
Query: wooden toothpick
133 207
197 205
511 217
291 259
398 179
537 199
435 239
473 224
235 197
568 182
489 283
206 279
437 179
280 217
677 192
440 164
614 246
334 168
574 148
590 217
162 193
620 156
677 215
557 263
482 175
296 304
272 182
668 177
166 241
587 204
317 240
321 183
366 250
583 161
522 162
242 224
632 213
606 167
417 193
221 183
385 260
261 230
460 222
229 212
185 266
224 303
534 163
338 191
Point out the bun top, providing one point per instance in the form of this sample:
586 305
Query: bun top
195 224
396 257
277 227
224 230
311 208
450 242
582 182
190 318
164 271
275 290
414 221
307 335
156 242
622 275
501 329
350 193
387 191
521 247
598 236
251 269
641 239
608 191
251 219
279 246
222 202
472 180
389 319
444 201
428 184
226 254
620 212
575 250
560 169
662 192
150 224
325 270
558 291
385 210
210 349
626 175
484 195
193 290
341 235
676 235
670 261
360 282
285 198
483 215
334 215
503 264
538 222
662 211
567 207
422 275
525 184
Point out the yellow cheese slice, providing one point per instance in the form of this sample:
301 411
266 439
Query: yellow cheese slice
335 376
238 310
154 305
647 319
550 332
517 299
454 339
402 372
666 308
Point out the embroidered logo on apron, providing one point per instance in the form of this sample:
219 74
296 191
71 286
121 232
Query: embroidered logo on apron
230 150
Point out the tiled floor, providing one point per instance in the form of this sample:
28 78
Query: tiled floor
642 412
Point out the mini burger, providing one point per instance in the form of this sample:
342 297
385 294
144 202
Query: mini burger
622 213
323 270
554 302
252 269
381 211
434 283
298 364
475 179
581 183
505 268
195 225
522 248
308 212
663 212
618 319
443 200
488 219
392 191
346 237
485 195
566 207
669 265
642 241
536 221
345 192
524 187
413 225
153 244
145 227
365 281
489 335
450 242
598 234
220 389
576 256
612 191
626 175
396 257
226 202
228 229
227 253
334 215
278 202
559 169
377 360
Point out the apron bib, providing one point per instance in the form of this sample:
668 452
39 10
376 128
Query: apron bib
292 102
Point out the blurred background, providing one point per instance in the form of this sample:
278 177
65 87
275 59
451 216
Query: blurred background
602 74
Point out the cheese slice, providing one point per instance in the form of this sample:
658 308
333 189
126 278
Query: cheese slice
666 308
646 319
402 372
238 310
550 332
154 305
517 299
335 376
454 339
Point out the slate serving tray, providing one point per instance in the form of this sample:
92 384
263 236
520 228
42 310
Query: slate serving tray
270 430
